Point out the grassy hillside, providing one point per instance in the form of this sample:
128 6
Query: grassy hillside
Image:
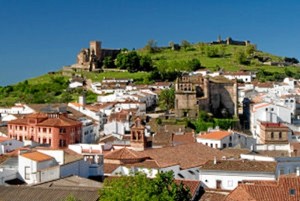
226 59
50 88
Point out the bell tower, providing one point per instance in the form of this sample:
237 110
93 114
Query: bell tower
138 140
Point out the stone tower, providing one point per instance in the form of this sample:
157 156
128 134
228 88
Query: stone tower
137 135
95 48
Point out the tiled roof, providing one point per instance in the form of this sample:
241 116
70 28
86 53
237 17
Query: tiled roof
108 168
151 164
37 156
72 181
273 125
236 152
192 185
215 135
185 138
61 121
214 195
3 139
124 154
28 193
186 155
71 156
240 165
287 188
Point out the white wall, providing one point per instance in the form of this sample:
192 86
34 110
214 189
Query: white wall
229 180
80 168
10 145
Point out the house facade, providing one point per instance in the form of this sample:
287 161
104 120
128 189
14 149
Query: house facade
56 130
226 174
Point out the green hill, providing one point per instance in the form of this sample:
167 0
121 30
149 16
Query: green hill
167 63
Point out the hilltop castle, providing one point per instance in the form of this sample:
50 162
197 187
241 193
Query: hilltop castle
90 59
230 41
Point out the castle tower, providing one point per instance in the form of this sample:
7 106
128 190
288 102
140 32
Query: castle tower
95 46
137 136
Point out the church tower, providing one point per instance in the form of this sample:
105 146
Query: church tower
138 140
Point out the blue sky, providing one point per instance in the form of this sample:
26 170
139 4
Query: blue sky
41 36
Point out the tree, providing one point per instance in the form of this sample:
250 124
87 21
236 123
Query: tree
138 187
250 49
185 44
151 46
108 62
146 63
128 60
194 64
167 99
240 57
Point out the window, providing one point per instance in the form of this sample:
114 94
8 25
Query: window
224 145
44 130
272 135
292 191
27 172
211 145
191 172
230 138
280 135
180 175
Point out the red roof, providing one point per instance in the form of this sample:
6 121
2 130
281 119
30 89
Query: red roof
216 135
37 156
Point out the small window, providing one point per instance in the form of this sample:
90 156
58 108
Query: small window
180 175
272 135
266 109
280 135
292 191
191 172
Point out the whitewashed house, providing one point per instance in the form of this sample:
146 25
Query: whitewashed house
36 167
243 76
92 154
8 145
226 174
268 112
47 164
89 130
221 139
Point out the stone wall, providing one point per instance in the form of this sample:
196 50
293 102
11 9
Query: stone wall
195 93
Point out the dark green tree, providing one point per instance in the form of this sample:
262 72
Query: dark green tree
138 187
146 63
108 62
194 64
128 60
167 99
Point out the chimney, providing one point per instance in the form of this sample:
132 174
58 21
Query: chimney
215 160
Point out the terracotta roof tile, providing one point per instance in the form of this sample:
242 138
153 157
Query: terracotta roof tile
109 167
124 154
186 155
287 188
240 165
37 156
216 135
